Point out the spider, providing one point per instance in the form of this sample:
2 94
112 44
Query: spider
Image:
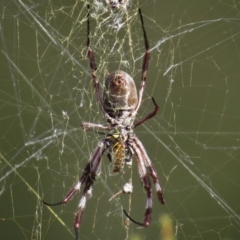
119 104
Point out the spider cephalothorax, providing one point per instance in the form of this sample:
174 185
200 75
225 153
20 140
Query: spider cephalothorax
119 104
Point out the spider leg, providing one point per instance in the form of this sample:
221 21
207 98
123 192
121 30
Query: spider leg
150 169
146 184
144 66
72 192
89 182
88 177
82 204
67 197
94 126
93 67
134 221
92 62
150 115
79 215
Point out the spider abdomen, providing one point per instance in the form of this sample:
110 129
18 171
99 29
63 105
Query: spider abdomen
119 95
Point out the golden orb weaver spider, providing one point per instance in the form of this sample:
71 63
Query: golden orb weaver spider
119 104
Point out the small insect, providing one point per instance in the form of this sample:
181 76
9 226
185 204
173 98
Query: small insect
119 104
117 3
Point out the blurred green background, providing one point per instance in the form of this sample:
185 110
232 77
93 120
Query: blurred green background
193 142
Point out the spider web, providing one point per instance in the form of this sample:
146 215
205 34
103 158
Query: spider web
193 142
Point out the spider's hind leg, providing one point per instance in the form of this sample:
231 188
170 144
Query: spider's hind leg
109 156
146 184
